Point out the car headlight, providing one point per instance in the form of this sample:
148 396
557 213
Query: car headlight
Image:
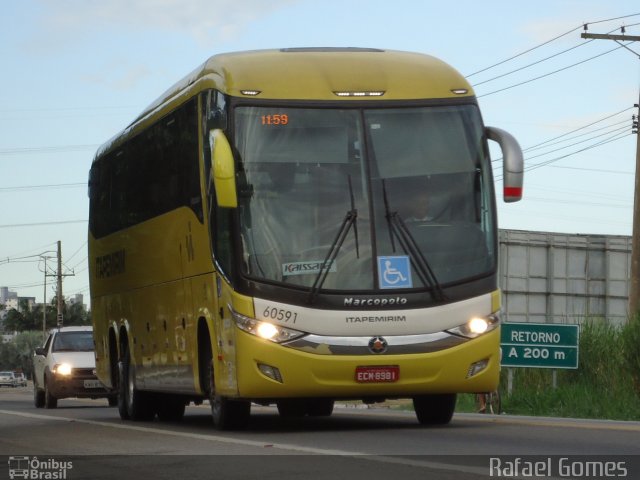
476 326
62 369
265 330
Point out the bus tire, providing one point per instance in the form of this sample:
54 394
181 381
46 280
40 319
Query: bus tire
292 407
320 407
170 408
436 409
132 403
227 414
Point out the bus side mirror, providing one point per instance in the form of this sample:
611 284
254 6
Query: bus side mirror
512 163
224 174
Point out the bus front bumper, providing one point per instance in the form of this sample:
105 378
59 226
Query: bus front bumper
266 370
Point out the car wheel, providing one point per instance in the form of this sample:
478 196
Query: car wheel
38 396
49 400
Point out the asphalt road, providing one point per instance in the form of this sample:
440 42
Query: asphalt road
87 439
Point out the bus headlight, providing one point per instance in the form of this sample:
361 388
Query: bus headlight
266 330
476 326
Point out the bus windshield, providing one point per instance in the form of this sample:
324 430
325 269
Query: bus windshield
416 182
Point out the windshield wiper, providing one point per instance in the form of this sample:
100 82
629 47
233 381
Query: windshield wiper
350 219
399 229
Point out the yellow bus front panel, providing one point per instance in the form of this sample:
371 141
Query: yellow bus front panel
306 374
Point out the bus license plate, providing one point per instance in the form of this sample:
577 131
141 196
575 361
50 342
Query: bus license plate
92 384
378 374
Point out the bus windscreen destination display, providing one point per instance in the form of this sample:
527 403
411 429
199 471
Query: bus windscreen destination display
539 345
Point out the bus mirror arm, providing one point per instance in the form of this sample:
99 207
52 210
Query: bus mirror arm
513 163
224 175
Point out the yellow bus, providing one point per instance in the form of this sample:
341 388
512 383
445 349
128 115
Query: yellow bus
296 227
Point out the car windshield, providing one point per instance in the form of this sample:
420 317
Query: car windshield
73 342
402 195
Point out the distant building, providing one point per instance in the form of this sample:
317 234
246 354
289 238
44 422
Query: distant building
16 303
6 295
78 299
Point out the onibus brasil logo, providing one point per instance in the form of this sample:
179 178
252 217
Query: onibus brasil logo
37 469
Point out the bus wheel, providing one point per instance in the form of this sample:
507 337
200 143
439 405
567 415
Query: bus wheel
170 408
132 403
320 407
292 407
227 414
435 409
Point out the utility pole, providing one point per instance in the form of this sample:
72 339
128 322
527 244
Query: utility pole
634 288
44 304
59 286
59 297
44 297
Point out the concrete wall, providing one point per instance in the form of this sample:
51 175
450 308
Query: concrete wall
564 278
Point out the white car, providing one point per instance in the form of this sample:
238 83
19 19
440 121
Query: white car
8 379
21 380
66 367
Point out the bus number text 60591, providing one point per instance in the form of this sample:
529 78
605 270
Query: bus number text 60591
280 314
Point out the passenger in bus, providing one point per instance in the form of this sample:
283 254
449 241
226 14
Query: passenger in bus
416 209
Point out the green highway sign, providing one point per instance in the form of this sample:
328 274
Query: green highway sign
539 345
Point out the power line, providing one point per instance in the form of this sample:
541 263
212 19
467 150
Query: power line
578 202
34 249
51 149
66 109
77 251
551 41
39 224
525 52
568 139
580 128
599 170
531 64
551 141
551 73
562 157
604 142
43 187
611 133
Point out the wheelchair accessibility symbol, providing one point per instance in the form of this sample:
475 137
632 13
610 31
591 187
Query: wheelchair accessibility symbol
394 272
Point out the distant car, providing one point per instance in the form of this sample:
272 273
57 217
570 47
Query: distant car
21 380
8 379
66 367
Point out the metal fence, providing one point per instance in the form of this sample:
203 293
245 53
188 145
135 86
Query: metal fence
564 278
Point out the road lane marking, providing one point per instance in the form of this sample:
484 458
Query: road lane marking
591 424
268 446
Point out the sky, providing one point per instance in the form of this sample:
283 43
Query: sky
75 72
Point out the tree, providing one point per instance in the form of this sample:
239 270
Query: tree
18 354
14 321
76 314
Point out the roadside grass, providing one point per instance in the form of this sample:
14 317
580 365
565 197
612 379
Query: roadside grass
605 386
